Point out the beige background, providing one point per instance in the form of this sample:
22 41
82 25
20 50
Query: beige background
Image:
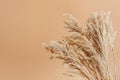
26 24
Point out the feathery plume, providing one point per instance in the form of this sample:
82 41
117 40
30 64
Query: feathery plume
85 50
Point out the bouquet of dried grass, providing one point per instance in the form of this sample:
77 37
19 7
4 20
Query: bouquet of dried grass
85 49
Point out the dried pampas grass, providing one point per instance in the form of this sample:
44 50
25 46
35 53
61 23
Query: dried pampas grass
85 50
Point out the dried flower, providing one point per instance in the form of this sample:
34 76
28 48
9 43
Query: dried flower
85 50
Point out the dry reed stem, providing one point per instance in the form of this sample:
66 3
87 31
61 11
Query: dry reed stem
85 49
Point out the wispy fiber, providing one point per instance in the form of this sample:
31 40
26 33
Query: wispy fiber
85 50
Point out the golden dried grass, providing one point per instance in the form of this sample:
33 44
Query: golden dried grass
85 50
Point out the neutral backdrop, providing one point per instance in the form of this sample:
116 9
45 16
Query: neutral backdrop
26 24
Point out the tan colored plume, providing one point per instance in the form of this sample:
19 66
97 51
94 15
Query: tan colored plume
85 49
